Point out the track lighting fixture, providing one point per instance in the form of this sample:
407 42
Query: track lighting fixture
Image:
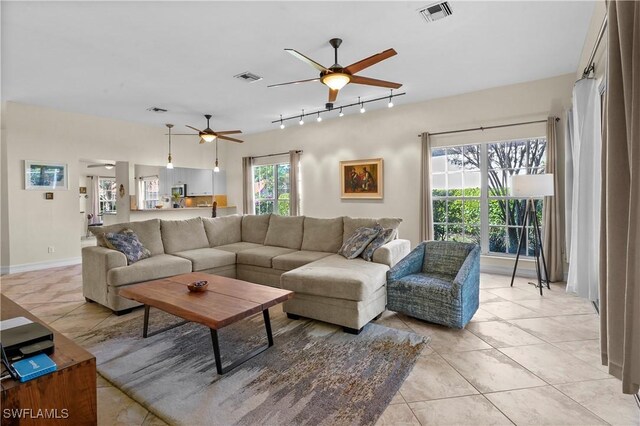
169 163
360 103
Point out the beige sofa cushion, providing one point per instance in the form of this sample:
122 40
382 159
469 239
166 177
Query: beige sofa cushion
223 230
322 234
254 228
208 258
285 231
238 247
337 277
289 261
152 268
353 223
148 232
183 235
261 256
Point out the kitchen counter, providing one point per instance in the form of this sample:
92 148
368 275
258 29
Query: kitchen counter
179 214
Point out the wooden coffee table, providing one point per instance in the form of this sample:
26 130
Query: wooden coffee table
225 301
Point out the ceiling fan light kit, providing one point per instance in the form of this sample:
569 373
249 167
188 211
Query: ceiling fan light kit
337 77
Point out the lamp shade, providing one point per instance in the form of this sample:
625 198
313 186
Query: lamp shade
532 185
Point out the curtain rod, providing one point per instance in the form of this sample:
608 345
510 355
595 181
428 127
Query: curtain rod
274 155
487 128
591 66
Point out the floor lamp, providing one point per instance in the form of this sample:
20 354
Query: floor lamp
530 187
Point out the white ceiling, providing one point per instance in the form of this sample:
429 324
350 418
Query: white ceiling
115 59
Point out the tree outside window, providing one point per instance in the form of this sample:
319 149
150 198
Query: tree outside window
107 194
271 189
461 207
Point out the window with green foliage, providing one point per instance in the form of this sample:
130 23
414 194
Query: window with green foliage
271 189
471 187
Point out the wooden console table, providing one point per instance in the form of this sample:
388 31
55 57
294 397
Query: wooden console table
66 396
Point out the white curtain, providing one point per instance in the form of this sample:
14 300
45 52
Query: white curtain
568 179
585 210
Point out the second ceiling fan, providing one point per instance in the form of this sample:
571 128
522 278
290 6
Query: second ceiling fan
208 135
336 76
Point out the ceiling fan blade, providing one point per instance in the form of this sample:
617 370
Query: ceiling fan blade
201 141
182 134
193 128
333 94
294 82
371 60
226 138
373 82
306 59
229 132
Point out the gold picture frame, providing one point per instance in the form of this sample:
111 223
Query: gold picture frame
362 179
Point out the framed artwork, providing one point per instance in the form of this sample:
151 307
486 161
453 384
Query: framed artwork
48 195
361 179
83 189
45 176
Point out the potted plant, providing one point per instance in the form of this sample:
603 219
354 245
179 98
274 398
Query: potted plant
175 197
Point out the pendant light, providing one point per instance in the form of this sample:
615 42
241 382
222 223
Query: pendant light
341 113
216 169
390 104
169 163
362 110
281 123
301 122
319 119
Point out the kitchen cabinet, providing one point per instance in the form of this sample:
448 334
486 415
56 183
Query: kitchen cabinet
199 182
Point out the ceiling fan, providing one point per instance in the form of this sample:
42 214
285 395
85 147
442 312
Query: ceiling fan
336 76
208 135
107 166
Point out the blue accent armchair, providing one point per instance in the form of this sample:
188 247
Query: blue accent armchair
438 281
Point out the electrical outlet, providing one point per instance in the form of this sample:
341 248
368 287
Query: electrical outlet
52 249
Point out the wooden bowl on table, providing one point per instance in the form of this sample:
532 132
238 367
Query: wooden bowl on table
198 286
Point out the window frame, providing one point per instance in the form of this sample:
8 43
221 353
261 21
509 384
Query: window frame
485 198
275 199
102 195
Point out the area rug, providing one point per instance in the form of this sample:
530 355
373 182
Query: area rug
314 374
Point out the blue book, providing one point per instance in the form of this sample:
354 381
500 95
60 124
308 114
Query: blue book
35 366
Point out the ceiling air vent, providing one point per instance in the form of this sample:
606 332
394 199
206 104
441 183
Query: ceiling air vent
247 76
435 11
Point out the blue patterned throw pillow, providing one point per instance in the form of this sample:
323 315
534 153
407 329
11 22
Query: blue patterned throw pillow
127 242
381 239
359 241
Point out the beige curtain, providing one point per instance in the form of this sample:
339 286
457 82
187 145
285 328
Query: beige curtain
247 185
426 206
620 232
294 181
552 215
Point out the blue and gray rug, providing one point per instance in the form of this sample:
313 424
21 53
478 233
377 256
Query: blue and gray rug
314 374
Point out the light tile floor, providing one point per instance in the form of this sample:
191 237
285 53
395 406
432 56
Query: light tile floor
524 359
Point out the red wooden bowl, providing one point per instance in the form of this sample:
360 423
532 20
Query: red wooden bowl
198 286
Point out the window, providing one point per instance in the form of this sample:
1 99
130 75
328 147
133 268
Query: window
271 188
107 194
150 188
471 187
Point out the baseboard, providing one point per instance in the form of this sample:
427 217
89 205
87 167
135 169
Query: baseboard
26 267
506 270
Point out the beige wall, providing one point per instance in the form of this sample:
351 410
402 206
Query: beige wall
599 12
393 135
31 224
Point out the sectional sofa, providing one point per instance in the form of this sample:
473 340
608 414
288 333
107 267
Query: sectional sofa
295 253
